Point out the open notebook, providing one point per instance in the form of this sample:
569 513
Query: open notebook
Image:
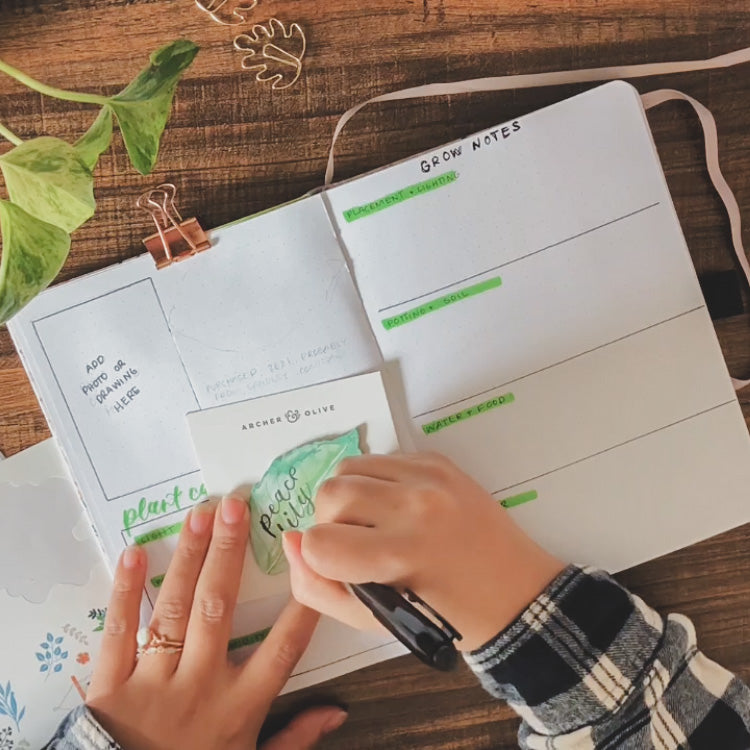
527 292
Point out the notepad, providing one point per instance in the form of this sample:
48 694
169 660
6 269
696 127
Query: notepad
526 291
237 443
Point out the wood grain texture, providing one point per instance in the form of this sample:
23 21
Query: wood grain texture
234 147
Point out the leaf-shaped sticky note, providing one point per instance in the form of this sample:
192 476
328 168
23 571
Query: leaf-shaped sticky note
95 141
142 108
284 498
47 178
227 12
274 52
32 254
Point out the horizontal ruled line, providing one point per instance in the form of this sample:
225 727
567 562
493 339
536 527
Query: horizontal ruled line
522 257
555 364
613 447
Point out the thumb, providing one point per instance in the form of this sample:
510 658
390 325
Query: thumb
327 597
305 730
355 554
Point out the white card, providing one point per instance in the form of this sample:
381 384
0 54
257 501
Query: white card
235 445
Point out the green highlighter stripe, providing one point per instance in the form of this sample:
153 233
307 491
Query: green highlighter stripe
392 199
464 414
524 497
440 302
248 640
164 531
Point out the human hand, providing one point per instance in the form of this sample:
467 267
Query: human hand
196 698
416 521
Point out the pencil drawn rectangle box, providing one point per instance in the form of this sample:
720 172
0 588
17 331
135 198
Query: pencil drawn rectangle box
115 388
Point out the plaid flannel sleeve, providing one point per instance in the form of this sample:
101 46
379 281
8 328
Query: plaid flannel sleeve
589 666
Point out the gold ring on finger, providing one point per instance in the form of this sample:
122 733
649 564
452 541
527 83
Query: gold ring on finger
150 642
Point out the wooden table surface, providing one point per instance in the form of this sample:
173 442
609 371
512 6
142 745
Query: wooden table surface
234 146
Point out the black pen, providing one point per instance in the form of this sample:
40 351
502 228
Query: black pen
429 641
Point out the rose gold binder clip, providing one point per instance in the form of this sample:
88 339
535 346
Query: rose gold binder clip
175 239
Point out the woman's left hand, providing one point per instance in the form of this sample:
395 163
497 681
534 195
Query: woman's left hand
196 698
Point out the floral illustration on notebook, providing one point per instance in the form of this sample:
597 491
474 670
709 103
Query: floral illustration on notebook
52 654
10 707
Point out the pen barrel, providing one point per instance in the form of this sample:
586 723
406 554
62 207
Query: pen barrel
428 642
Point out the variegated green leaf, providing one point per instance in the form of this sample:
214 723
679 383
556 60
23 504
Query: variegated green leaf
33 252
96 140
48 179
142 109
50 182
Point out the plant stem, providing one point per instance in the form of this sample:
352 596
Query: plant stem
42 88
10 135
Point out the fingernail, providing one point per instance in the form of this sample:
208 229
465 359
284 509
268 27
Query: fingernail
233 509
201 519
131 557
335 721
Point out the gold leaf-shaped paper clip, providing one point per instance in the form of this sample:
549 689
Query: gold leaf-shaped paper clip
274 52
227 12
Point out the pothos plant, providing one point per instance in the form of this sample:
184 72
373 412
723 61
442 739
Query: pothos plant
50 181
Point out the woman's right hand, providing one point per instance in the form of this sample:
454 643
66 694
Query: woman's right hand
416 521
